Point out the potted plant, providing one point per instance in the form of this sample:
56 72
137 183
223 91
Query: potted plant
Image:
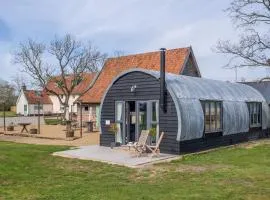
153 134
33 130
114 129
70 131
10 127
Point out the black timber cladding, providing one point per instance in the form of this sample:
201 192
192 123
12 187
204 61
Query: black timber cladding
262 86
148 88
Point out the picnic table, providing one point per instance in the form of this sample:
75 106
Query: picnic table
24 126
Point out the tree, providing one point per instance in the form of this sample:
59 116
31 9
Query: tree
252 18
18 81
70 59
7 94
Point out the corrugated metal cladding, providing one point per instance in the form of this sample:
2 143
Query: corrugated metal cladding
187 92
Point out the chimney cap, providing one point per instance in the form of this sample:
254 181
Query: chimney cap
23 87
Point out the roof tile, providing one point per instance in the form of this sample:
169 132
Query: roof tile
175 60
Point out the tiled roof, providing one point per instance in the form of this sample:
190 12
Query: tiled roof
79 89
34 96
175 61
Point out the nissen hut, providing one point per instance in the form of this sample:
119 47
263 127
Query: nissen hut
194 113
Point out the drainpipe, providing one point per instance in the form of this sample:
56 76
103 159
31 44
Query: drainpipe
162 80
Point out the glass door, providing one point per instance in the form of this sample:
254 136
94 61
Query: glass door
148 119
141 117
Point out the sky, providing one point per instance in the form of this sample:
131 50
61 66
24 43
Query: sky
132 26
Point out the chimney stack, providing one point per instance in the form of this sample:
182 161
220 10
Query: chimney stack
23 87
162 79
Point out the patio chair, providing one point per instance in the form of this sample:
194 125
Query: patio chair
155 151
140 146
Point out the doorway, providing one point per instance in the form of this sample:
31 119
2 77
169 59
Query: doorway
131 121
140 115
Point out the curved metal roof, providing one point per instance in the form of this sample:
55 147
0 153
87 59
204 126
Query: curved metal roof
187 92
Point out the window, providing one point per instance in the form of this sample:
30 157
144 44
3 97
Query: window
36 107
212 116
62 108
119 120
255 114
86 108
154 121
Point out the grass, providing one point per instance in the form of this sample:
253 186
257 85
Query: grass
52 121
30 172
8 114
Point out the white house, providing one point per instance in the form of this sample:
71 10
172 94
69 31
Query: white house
87 78
28 100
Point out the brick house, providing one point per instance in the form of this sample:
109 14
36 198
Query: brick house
178 61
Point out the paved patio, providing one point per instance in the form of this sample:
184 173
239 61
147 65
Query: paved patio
114 156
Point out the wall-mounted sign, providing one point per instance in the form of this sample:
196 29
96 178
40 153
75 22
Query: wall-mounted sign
107 122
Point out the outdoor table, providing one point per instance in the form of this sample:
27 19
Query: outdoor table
24 125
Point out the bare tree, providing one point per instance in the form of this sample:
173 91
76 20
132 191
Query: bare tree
252 18
18 81
70 59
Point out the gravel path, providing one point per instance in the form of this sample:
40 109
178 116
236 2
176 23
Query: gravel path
22 119
87 139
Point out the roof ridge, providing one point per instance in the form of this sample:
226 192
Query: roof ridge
151 52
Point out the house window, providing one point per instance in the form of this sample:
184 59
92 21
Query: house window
255 114
212 116
119 120
86 108
62 108
40 107
154 122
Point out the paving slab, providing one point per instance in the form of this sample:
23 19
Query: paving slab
114 156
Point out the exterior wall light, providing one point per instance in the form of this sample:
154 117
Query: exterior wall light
133 88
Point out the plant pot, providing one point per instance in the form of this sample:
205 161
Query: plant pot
117 144
33 131
113 145
70 133
10 128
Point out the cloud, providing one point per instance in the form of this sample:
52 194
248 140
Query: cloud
131 26
5 32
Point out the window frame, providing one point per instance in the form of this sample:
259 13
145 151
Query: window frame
257 113
36 107
208 103
123 131
85 108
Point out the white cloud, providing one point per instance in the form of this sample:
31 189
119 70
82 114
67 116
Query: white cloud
132 26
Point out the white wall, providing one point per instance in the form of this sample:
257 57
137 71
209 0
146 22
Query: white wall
47 109
21 101
57 106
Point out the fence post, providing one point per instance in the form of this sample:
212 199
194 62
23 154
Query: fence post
38 117
4 109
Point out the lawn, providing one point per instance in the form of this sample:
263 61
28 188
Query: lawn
8 114
30 172
52 121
